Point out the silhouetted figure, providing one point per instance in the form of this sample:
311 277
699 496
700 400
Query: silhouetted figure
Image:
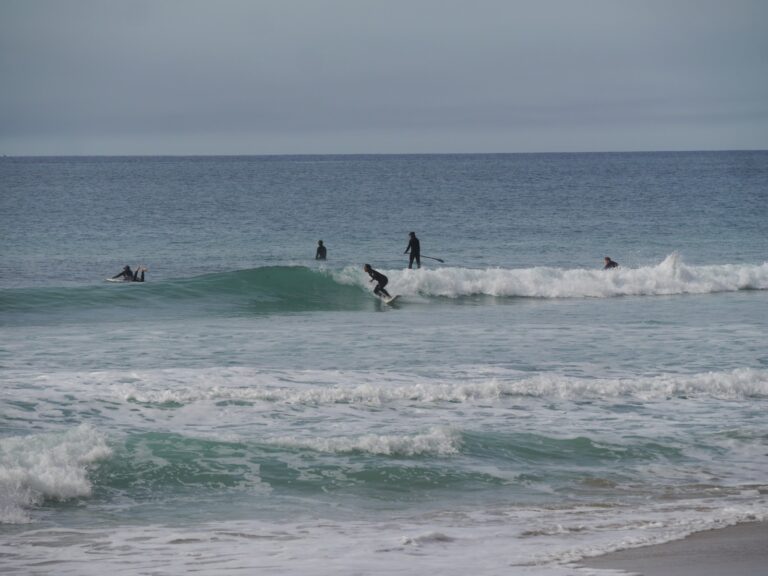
610 264
381 281
129 276
414 247
321 251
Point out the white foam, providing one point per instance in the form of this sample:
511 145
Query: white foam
437 442
452 542
733 385
669 277
41 466
428 538
322 388
380 392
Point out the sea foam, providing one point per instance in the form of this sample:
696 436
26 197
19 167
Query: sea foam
671 276
437 442
40 466
323 388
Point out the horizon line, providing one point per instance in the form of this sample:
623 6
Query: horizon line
297 154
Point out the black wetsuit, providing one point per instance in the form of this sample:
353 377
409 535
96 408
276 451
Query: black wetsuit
415 249
381 281
611 264
129 276
321 252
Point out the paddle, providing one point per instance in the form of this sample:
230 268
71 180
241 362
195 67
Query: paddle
433 258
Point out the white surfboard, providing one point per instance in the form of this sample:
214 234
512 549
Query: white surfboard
391 300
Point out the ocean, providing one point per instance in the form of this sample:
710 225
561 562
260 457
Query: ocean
249 409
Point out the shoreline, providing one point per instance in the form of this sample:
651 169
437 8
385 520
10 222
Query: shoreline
738 550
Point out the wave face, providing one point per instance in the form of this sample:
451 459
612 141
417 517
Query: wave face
287 289
272 289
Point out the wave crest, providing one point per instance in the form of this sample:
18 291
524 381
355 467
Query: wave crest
671 276
436 442
42 466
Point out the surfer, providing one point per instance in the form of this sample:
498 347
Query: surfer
610 263
321 252
381 281
130 276
414 247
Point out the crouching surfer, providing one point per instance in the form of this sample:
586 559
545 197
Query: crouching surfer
609 263
128 275
380 279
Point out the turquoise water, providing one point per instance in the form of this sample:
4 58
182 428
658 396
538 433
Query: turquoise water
249 408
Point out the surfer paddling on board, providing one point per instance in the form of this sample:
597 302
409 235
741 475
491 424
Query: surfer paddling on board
129 276
414 247
610 263
381 281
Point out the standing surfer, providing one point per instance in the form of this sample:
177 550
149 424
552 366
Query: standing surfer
414 247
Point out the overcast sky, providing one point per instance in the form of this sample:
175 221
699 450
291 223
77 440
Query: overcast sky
385 76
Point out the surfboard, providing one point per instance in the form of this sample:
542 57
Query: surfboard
391 300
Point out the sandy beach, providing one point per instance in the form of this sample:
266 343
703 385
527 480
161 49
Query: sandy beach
740 550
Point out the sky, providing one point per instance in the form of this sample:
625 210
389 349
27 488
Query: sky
188 77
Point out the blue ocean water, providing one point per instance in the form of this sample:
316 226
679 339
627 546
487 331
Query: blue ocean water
250 408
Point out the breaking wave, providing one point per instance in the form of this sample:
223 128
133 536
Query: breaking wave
296 289
46 466
671 276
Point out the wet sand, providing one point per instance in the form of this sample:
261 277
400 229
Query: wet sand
740 550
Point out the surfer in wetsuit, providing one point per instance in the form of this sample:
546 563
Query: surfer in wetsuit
130 276
321 252
610 264
381 281
414 247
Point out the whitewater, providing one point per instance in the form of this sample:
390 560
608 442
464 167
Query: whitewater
671 276
248 408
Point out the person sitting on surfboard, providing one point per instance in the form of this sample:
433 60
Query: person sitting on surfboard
129 276
381 281
610 263
321 252
415 248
